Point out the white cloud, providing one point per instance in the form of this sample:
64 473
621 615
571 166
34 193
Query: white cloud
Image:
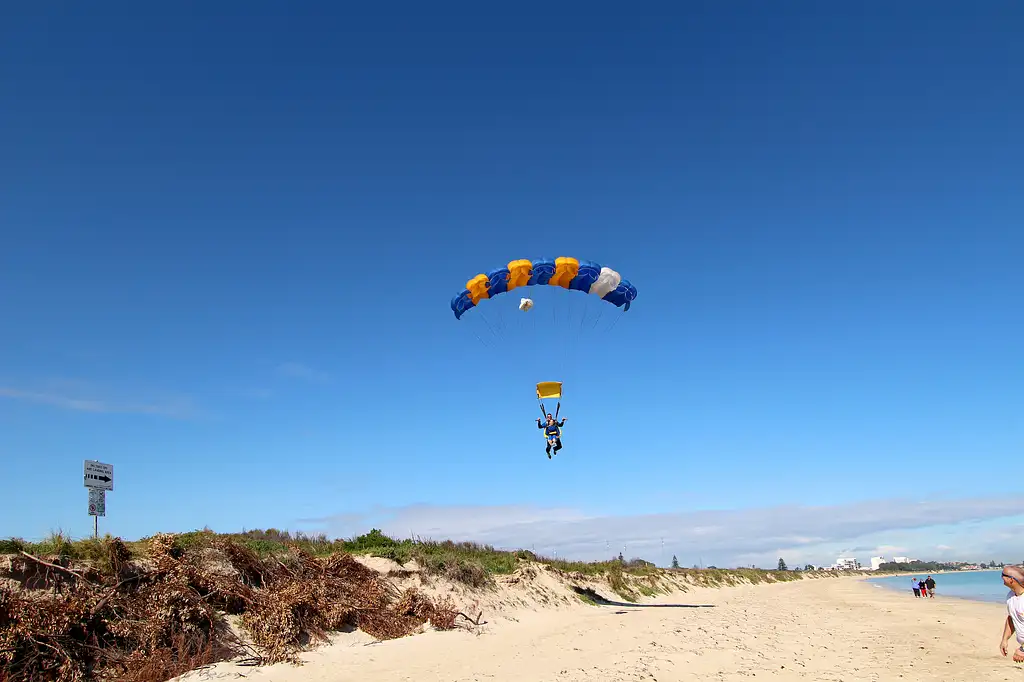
722 537
79 400
296 370
890 550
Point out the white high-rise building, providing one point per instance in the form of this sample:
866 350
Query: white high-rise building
876 561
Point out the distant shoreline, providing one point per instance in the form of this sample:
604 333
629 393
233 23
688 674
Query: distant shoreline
875 574
887 582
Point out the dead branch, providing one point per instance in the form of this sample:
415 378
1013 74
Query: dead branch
113 590
281 564
69 571
476 622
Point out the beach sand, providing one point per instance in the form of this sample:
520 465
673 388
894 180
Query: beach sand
821 629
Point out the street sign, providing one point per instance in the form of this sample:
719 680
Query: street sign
97 502
99 475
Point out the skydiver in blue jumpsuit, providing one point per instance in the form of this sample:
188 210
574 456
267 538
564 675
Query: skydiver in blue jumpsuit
552 433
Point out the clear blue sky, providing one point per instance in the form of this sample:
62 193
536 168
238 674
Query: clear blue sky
230 239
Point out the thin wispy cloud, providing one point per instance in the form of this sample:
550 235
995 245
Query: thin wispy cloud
257 393
297 370
723 537
81 402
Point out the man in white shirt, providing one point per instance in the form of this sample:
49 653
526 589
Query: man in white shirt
1013 577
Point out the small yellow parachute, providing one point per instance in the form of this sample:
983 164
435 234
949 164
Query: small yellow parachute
549 389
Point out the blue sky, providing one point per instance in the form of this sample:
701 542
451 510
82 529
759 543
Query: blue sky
230 240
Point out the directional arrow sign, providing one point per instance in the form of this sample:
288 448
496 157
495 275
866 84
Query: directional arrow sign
98 475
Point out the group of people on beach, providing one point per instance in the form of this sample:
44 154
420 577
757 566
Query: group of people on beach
923 588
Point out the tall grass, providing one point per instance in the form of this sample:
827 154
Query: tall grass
465 562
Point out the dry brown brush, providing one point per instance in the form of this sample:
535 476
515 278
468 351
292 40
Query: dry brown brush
154 619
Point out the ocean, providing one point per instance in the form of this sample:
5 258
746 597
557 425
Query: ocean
977 585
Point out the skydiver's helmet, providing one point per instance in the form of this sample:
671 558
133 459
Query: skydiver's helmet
525 304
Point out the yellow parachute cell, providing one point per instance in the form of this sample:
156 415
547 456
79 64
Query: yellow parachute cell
478 288
566 268
519 272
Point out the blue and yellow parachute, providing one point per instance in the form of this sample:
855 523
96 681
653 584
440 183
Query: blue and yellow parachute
565 271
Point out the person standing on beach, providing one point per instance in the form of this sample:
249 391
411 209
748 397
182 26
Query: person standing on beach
1013 577
916 586
930 583
924 589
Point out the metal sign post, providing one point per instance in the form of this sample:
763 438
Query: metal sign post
99 478
97 508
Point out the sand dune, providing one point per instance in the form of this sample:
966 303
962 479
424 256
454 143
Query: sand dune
538 629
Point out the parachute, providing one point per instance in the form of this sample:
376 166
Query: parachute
549 389
568 298
546 390
565 272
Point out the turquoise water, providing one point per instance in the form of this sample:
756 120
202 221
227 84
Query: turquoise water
976 585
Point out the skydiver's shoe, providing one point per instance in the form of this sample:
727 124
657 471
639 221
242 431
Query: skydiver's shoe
549 455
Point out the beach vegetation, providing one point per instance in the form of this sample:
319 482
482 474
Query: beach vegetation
168 597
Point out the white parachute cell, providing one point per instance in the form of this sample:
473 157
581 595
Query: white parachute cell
525 304
606 282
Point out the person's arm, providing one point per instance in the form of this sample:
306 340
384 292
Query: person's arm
562 423
1008 632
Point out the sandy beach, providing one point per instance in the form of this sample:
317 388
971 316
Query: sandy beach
820 629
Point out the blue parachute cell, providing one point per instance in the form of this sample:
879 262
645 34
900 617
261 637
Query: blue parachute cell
461 302
586 276
622 295
543 269
497 281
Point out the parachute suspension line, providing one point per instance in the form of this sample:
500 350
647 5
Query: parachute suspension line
554 320
579 330
488 323
479 338
616 320
564 343
501 322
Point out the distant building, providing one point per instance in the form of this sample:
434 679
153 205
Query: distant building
876 562
844 563
904 559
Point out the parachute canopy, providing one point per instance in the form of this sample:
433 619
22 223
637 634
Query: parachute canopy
564 271
549 389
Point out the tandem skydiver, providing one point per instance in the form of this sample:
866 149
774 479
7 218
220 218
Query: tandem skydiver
552 432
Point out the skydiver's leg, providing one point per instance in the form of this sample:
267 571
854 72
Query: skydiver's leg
558 445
